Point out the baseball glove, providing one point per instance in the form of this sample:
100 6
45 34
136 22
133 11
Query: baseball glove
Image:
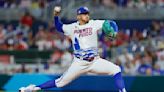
110 29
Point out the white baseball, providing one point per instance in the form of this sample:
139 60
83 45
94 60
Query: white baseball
57 8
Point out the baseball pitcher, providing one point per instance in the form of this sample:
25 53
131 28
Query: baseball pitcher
84 36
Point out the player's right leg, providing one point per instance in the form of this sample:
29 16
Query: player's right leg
102 66
76 69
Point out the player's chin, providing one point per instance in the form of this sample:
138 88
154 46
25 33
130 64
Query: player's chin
87 20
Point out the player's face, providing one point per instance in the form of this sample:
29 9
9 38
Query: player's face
83 17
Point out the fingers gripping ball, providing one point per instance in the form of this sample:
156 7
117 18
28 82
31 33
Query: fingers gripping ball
110 28
57 8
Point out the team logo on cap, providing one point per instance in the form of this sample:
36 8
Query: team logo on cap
79 11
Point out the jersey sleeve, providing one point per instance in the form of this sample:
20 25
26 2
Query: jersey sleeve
98 24
67 29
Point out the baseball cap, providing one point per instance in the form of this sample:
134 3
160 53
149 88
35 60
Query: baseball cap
82 10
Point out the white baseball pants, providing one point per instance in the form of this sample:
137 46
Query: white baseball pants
78 67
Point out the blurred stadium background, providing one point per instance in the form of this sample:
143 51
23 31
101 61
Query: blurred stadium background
32 51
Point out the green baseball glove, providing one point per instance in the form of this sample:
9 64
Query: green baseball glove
109 30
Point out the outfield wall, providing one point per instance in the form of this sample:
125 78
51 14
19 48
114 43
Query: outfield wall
86 83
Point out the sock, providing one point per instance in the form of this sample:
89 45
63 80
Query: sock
119 82
48 84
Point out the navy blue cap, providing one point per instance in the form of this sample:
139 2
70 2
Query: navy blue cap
82 10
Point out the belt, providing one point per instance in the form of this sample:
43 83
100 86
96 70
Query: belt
87 59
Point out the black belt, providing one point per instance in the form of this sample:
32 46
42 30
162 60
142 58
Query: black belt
87 59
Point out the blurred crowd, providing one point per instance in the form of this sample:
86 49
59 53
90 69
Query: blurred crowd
107 3
24 3
23 37
37 7
133 3
137 52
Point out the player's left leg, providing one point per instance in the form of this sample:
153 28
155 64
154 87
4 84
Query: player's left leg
77 68
102 66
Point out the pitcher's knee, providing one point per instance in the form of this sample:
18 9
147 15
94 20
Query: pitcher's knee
61 83
116 70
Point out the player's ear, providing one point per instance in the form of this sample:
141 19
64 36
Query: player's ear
78 17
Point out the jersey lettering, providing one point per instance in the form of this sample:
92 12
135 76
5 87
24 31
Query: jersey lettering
83 32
